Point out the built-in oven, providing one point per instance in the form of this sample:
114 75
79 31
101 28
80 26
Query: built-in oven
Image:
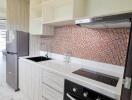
74 91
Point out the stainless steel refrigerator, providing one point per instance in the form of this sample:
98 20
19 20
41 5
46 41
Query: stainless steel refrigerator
17 45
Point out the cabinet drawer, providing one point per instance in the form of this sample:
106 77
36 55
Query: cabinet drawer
49 93
54 80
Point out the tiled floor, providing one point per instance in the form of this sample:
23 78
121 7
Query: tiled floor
6 93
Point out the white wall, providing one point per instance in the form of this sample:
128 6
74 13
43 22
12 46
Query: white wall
34 46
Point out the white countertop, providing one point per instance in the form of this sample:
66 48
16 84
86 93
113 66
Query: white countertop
66 70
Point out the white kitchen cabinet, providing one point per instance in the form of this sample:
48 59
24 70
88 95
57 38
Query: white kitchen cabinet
54 80
35 19
48 30
49 93
107 7
63 12
29 80
38 83
36 26
55 12
52 85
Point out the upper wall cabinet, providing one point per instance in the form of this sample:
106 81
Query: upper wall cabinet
45 14
107 7
35 9
59 12
36 26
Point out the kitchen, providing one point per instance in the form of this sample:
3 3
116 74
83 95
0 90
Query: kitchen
69 50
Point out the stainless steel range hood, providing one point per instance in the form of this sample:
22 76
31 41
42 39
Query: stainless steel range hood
112 21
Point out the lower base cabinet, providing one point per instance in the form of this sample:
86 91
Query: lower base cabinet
39 84
29 80
52 85
49 93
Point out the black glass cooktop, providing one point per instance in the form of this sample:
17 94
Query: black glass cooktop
107 79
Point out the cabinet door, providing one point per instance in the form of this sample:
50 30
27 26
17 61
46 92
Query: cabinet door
79 8
48 30
54 80
49 93
29 78
35 27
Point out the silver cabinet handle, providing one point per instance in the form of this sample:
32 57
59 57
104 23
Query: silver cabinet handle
70 97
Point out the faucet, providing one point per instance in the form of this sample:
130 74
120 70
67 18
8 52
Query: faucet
46 55
48 50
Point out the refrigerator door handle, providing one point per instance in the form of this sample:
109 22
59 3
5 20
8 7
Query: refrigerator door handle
8 37
11 53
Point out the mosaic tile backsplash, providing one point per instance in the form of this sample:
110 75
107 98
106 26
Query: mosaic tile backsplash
102 45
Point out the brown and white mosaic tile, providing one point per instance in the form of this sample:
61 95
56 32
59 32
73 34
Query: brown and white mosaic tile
103 45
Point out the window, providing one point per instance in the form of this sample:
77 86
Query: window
2 40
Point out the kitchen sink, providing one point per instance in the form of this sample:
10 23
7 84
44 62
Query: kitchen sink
39 58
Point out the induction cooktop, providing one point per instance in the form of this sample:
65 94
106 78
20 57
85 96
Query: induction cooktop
107 79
